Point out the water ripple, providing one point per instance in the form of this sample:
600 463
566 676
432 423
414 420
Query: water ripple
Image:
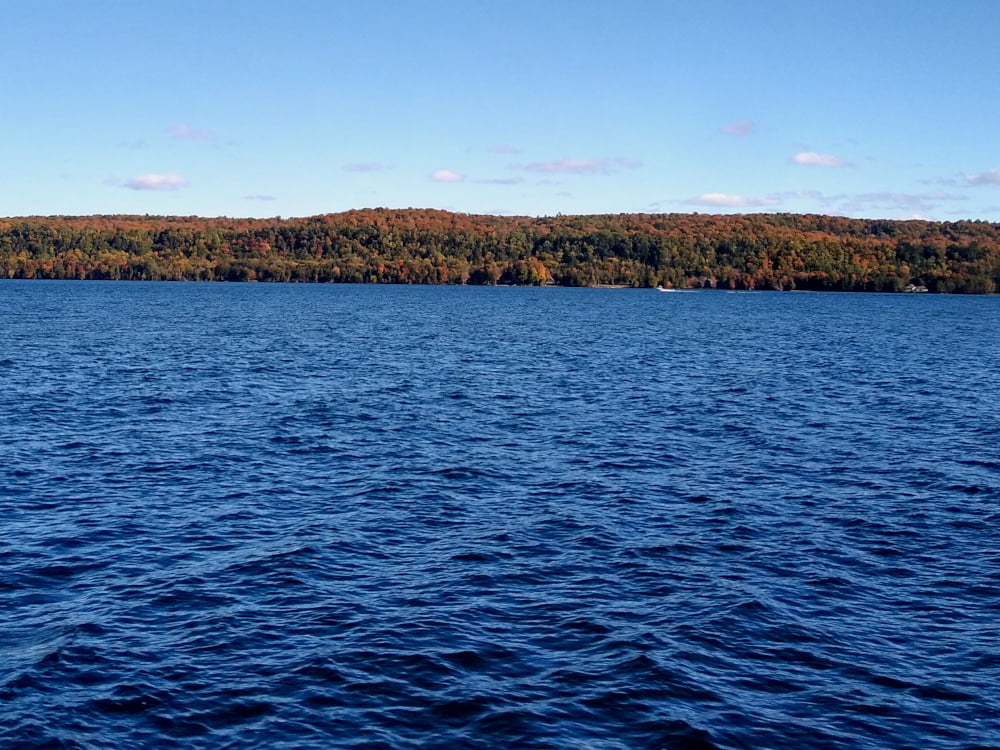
406 518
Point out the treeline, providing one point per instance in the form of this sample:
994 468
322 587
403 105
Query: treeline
754 251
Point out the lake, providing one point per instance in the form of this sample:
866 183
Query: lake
292 516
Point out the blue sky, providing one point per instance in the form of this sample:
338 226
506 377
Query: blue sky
873 108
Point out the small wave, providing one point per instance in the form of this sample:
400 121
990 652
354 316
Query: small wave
569 533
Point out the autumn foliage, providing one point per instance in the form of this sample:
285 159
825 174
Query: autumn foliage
420 246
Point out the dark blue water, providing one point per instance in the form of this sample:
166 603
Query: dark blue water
279 516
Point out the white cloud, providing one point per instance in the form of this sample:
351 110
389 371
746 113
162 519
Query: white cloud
738 127
183 132
582 166
446 175
812 159
990 177
157 182
728 200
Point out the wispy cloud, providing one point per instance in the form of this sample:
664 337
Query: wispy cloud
582 166
991 177
882 201
447 175
365 166
157 182
259 198
503 181
872 204
815 195
728 200
569 166
183 132
738 128
812 159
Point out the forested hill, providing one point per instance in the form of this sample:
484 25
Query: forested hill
419 246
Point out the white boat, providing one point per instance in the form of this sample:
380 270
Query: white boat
660 288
